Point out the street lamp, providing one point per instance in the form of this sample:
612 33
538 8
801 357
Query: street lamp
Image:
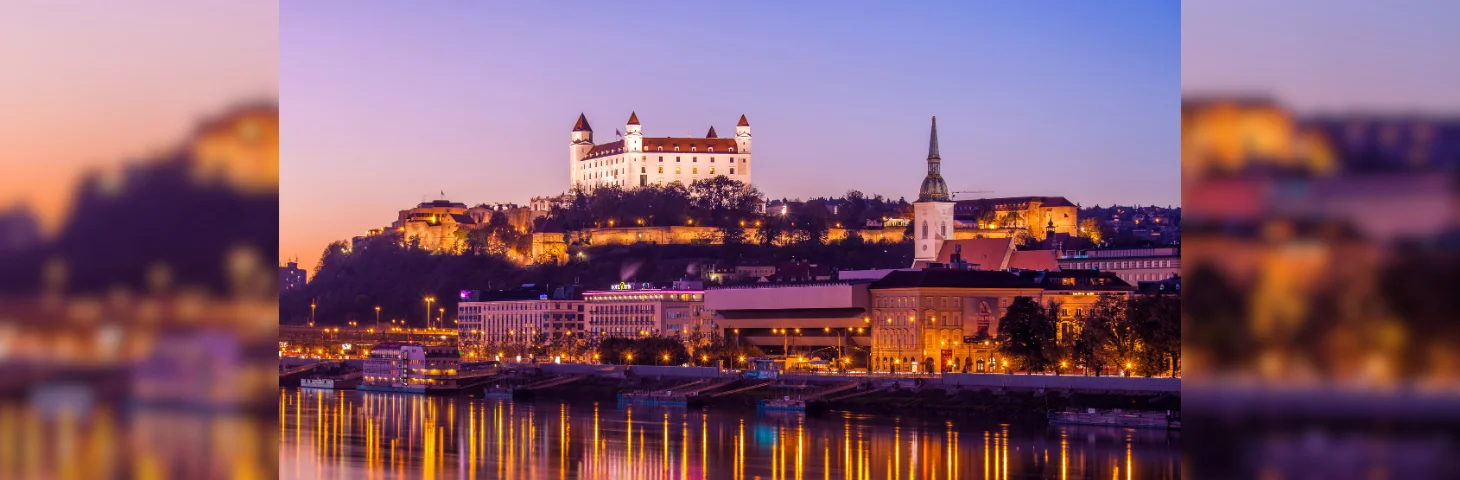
377 317
441 319
429 299
311 313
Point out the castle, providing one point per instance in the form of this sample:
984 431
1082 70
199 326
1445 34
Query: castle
635 160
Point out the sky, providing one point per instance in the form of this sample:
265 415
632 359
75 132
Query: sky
385 106
1326 56
89 85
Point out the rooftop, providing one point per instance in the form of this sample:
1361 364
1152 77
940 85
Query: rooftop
951 278
1015 202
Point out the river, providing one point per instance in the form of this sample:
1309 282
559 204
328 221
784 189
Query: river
368 435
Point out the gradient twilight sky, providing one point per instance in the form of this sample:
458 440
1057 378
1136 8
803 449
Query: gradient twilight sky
92 84
385 106
1326 56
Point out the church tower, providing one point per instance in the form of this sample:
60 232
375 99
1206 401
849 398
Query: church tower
633 136
578 148
933 212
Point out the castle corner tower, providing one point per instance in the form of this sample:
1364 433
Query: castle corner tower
933 212
581 144
633 134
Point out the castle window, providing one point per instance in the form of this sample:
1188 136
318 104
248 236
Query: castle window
925 230
661 169
712 170
676 148
692 148
732 170
695 171
694 159
712 159
661 148
711 149
676 170
643 169
661 158
676 159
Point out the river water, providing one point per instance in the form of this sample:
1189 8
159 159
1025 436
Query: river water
368 435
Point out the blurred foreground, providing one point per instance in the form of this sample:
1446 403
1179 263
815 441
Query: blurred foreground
140 339
1322 255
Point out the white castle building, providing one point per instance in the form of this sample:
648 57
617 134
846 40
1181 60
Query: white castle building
635 160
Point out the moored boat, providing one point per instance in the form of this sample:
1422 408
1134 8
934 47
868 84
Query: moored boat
1117 418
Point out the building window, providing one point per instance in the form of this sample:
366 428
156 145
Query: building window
643 169
676 159
661 158
676 170
732 170
676 148
694 159
712 170
712 159
925 230
695 170
661 169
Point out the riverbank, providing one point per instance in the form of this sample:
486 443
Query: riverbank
1012 405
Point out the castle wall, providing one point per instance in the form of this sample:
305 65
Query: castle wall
682 235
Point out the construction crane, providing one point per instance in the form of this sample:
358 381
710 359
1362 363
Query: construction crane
956 194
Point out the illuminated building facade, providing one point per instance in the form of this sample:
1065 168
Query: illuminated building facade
1132 265
1037 215
527 316
629 310
403 366
1072 293
814 319
292 277
941 319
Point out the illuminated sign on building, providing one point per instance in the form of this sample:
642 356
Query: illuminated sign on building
629 286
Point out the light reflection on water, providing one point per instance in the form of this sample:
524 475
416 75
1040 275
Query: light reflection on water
109 441
347 434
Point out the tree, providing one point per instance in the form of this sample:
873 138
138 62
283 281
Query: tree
1059 349
1216 319
725 204
1025 331
1156 320
1090 228
1090 343
333 254
1109 316
643 351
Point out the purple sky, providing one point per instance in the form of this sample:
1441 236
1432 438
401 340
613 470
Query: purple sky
1326 56
89 85
386 105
